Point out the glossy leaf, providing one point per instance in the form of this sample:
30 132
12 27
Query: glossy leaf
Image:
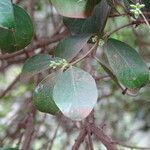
126 64
16 28
43 95
75 8
75 93
108 70
7 19
93 24
37 64
69 47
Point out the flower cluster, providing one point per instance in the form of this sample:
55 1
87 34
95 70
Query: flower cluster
136 9
62 62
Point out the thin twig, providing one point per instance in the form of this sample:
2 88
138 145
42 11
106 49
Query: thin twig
28 133
79 139
85 55
146 21
40 43
10 86
124 26
90 141
114 31
105 139
49 147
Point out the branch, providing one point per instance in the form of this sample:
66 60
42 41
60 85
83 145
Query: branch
53 138
80 139
90 141
137 22
40 43
28 133
85 55
10 86
106 140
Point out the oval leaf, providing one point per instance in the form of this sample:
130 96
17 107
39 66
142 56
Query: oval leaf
108 71
75 93
126 64
37 64
43 95
7 14
69 47
75 8
94 24
14 34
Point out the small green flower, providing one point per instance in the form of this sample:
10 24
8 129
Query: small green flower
101 42
58 63
136 9
94 39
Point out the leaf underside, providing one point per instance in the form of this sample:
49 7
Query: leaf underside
75 93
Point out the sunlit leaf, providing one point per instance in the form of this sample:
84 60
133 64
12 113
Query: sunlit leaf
75 93
126 64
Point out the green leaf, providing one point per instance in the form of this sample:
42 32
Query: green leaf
112 4
126 64
24 28
69 47
108 70
43 95
35 65
7 19
75 93
16 28
93 24
75 8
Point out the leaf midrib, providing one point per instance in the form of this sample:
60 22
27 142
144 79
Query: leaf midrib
124 61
